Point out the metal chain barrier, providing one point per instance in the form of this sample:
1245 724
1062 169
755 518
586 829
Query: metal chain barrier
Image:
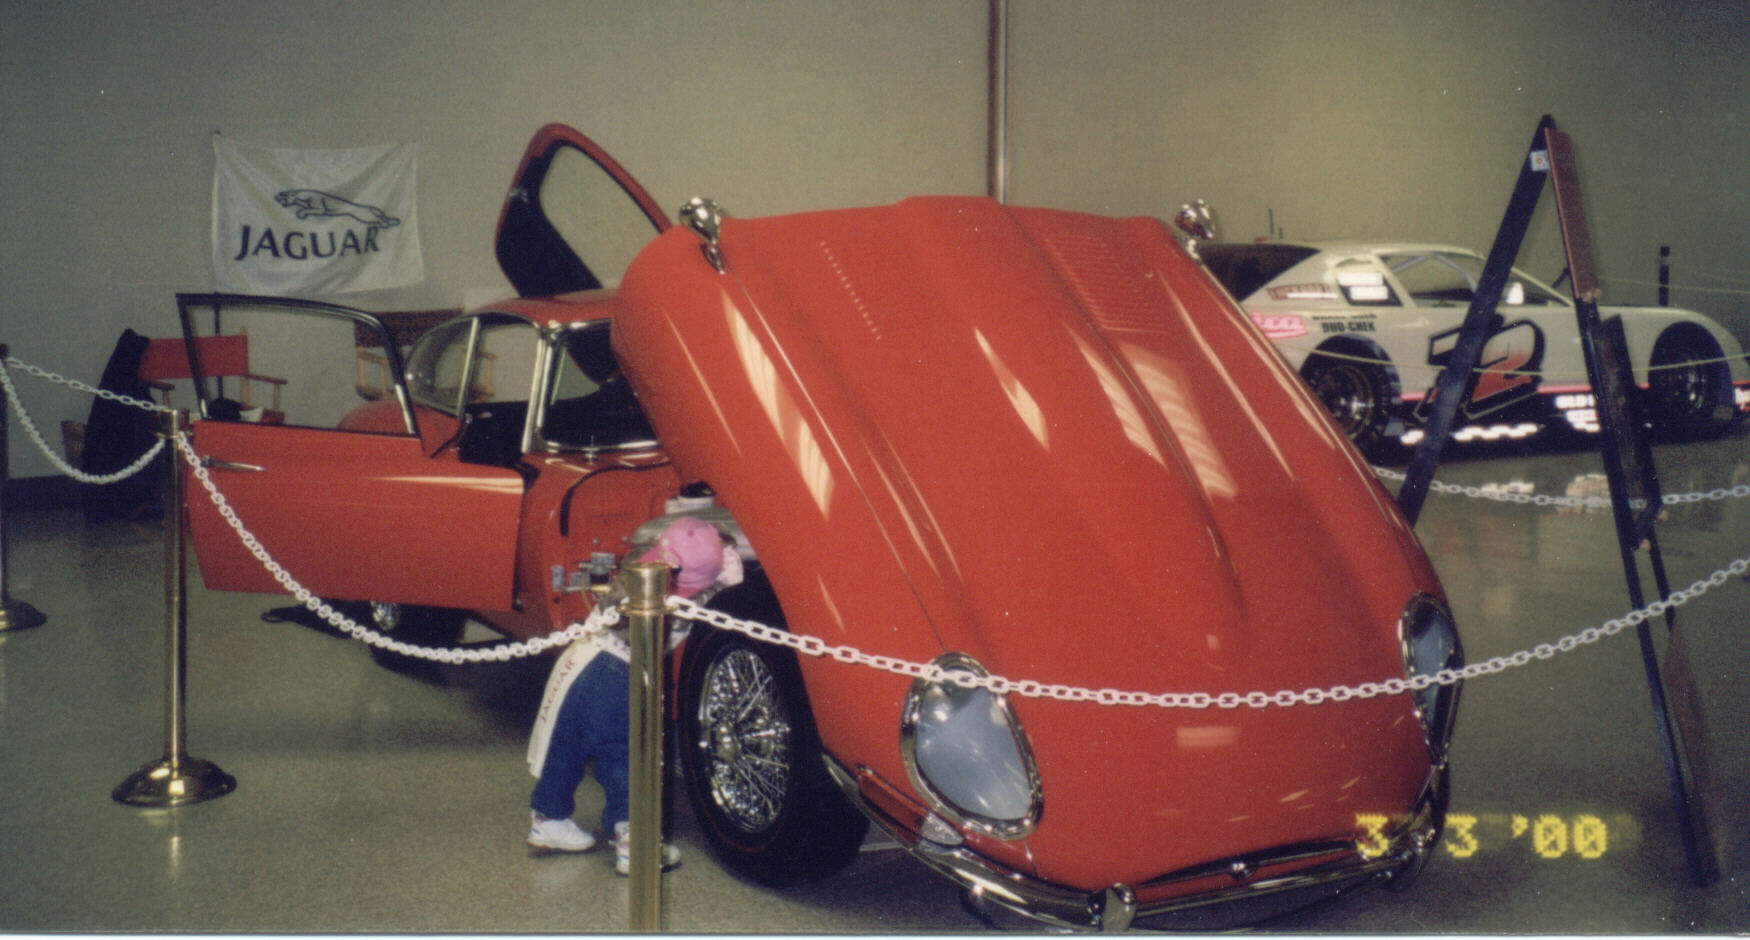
1498 494
602 618
814 646
48 450
597 623
1688 287
1372 360
1741 277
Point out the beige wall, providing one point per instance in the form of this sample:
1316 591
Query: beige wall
1398 119
1388 119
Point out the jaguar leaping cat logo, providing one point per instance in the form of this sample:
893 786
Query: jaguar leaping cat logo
314 202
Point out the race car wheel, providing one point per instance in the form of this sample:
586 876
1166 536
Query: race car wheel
1362 396
1690 385
755 774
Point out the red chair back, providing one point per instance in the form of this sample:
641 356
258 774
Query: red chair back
167 359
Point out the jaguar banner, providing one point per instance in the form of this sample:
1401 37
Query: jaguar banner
301 222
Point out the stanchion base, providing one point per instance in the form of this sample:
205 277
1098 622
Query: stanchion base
17 615
173 782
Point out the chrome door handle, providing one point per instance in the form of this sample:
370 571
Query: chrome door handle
214 463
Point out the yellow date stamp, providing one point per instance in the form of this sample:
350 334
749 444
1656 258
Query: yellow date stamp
1581 836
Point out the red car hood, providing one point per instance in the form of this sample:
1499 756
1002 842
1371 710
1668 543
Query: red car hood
1046 440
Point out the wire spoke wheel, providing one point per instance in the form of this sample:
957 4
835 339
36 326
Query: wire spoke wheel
744 734
756 774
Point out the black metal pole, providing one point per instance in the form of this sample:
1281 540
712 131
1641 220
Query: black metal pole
1692 830
1458 379
14 614
1664 275
1635 496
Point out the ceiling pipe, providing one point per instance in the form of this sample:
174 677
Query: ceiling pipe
997 116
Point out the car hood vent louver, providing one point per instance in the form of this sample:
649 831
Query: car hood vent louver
1102 285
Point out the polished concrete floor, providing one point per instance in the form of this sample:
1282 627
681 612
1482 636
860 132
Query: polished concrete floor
373 801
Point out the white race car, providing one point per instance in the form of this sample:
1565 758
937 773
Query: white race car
1369 324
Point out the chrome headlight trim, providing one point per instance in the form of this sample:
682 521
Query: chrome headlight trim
923 717
1428 639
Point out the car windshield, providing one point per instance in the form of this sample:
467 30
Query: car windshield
1243 269
1445 278
590 405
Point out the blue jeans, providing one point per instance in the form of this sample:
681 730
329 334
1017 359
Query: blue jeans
591 726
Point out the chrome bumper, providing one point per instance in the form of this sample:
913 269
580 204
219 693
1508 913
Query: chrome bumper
1116 907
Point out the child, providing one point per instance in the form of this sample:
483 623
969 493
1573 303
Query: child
584 713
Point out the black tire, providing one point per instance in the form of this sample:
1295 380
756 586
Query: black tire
1362 397
755 773
1689 385
439 627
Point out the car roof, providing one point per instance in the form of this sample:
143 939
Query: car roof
1359 247
575 307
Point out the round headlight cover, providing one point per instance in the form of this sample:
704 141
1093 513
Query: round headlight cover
1430 644
966 754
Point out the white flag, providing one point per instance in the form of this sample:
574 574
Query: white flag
296 222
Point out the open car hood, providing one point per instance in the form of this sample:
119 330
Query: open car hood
1049 441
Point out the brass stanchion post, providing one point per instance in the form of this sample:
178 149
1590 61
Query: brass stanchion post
14 614
645 609
176 778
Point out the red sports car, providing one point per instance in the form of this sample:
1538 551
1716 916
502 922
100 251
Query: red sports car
1033 444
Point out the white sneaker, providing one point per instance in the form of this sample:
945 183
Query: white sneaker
671 856
556 835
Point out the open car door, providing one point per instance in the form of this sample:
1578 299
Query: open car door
339 490
568 202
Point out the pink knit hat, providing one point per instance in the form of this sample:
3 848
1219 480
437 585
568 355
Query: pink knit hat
696 548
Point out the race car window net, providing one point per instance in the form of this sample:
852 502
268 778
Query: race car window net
1432 279
1447 279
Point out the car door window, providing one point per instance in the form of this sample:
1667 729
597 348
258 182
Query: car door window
591 212
438 365
494 354
284 361
574 218
504 361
